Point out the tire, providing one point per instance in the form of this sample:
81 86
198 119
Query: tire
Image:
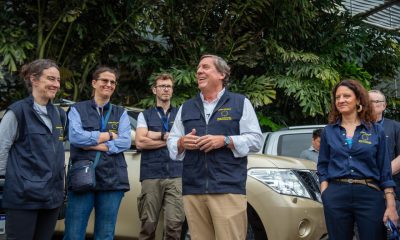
255 228
185 235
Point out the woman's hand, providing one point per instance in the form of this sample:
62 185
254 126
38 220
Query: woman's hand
324 186
391 213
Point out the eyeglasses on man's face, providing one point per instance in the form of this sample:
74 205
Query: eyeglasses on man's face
165 87
105 81
376 101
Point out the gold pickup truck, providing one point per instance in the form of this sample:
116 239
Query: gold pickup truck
284 200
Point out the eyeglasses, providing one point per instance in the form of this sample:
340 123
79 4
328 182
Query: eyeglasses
376 101
165 87
106 81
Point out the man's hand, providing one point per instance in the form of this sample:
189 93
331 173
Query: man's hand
115 136
396 165
210 142
188 141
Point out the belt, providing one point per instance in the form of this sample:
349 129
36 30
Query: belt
368 182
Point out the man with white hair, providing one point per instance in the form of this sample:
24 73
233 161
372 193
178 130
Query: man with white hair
392 132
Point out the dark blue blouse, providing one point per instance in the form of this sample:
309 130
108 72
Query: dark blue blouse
367 158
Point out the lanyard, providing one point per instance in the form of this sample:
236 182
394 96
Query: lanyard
103 119
164 118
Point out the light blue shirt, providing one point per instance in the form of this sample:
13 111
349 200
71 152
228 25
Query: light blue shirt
249 140
81 138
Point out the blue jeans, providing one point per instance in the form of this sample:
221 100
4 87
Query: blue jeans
80 205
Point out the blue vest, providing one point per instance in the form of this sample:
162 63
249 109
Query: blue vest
217 171
111 172
156 163
35 166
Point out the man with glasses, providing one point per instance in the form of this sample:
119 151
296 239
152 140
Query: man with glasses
392 131
160 176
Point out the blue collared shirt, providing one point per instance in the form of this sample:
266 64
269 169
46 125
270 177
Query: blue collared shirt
79 137
367 158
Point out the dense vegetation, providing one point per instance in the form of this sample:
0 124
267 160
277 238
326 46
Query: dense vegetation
285 55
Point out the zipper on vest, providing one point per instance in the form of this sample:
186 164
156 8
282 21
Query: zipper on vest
168 173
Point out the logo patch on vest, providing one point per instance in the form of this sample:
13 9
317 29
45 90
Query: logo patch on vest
60 129
113 126
224 114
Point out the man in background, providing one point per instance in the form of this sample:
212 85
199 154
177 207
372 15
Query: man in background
392 132
312 152
160 176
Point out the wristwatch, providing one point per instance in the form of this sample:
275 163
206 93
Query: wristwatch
111 136
227 141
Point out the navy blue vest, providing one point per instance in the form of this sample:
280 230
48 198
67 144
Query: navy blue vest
111 172
217 171
35 166
392 132
156 163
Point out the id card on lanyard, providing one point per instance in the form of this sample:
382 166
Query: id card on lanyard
164 118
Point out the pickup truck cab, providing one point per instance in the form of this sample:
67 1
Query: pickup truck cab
289 141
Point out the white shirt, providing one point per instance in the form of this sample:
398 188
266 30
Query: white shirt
249 140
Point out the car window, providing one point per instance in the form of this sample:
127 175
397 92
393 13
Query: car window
133 122
292 145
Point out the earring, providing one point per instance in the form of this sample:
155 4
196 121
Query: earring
359 108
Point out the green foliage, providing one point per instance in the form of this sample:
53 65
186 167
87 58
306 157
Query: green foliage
13 48
267 123
285 55
260 90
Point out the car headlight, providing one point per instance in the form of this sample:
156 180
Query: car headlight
283 181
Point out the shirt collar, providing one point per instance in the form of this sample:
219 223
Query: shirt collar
363 123
381 121
219 95
312 149
105 106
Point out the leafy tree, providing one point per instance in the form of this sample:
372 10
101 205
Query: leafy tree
285 55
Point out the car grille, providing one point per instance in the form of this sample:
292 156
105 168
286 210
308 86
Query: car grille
311 183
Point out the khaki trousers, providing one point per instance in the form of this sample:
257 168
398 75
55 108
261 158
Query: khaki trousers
161 195
216 216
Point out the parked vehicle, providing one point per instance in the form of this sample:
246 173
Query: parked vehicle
289 141
284 201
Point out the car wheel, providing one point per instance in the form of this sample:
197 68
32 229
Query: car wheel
255 228
185 235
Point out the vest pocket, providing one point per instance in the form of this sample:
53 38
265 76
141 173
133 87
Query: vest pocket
37 189
122 171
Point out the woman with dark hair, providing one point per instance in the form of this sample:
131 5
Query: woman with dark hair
32 155
354 168
98 130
